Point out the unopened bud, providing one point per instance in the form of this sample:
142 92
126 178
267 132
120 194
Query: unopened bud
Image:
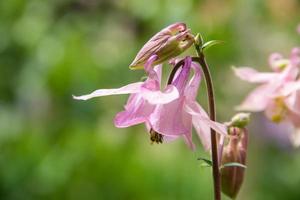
240 120
166 44
198 40
235 151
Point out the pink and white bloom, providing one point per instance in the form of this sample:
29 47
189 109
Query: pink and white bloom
177 117
171 112
279 93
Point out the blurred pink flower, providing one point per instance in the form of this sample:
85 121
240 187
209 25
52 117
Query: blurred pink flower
170 112
279 93
298 28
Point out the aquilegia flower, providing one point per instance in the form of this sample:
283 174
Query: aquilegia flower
167 43
177 117
279 92
169 113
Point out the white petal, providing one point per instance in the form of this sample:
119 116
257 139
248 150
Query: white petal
128 89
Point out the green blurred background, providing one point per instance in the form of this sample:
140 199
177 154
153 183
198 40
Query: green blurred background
53 147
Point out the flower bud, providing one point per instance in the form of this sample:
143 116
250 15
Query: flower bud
198 40
166 44
240 120
235 151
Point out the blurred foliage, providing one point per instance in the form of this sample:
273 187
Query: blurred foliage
53 147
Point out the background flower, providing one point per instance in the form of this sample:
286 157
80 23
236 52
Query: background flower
278 96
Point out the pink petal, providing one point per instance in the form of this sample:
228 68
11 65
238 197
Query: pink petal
289 73
293 102
170 119
128 89
148 65
157 97
158 72
191 90
294 118
290 87
295 56
188 140
194 109
203 124
181 79
167 138
251 75
258 99
137 110
202 130
221 147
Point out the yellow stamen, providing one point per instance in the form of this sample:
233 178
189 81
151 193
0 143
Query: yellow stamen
280 110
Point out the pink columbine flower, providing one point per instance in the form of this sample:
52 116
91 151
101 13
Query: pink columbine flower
177 117
279 92
166 44
169 113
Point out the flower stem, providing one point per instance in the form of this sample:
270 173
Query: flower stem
212 113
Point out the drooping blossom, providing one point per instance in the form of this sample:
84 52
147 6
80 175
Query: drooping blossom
279 93
177 117
169 113
166 44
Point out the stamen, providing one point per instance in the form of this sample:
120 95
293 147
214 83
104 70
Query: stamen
280 112
155 137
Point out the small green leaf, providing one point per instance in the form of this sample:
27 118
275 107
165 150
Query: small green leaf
206 162
211 43
233 164
205 165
